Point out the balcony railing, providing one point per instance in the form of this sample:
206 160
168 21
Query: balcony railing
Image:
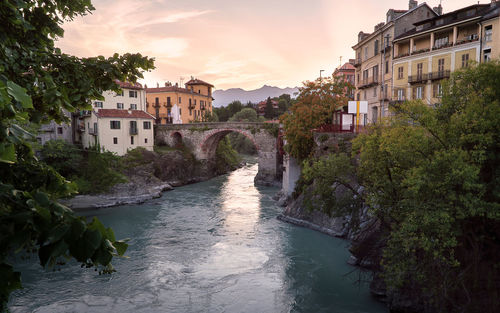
439 75
421 51
369 82
357 62
385 49
414 79
134 131
93 131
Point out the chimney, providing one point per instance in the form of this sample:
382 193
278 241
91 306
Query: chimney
146 86
438 9
157 85
412 4
166 84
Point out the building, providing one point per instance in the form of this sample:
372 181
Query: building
347 72
435 47
374 57
261 106
118 123
54 131
173 104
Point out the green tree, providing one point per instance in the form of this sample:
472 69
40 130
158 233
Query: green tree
245 115
37 82
431 177
269 110
62 156
314 107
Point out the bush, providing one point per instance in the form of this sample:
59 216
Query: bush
64 157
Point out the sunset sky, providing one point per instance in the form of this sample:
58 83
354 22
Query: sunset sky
231 43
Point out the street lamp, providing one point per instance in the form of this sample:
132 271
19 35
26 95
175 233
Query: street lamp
320 79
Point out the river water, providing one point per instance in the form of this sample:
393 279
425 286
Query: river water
214 246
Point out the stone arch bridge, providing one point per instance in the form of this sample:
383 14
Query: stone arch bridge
202 139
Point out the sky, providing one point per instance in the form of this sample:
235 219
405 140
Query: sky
232 43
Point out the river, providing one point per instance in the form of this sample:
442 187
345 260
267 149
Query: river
214 246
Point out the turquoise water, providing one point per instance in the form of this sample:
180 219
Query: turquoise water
214 246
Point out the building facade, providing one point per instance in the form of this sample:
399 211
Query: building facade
172 104
374 56
347 72
435 47
54 131
118 123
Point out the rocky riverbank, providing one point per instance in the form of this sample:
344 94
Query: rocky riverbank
148 175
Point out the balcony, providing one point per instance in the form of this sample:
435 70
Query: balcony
419 78
81 128
421 51
167 104
402 55
357 62
134 131
191 106
395 101
369 82
439 75
470 38
93 131
386 49
383 97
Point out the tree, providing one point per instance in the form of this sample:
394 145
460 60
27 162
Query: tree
38 81
314 107
245 115
269 110
433 177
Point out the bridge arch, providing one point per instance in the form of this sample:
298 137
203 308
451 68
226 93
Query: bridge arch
202 139
176 139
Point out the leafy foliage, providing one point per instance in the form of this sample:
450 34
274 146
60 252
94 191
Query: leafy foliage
432 178
37 82
314 107
62 156
226 157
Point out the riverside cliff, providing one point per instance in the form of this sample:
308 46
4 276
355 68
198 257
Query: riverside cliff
147 175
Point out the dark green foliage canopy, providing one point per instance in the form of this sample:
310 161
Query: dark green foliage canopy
38 81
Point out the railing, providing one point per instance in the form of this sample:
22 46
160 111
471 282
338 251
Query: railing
384 97
468 39
387 48
365 83
418 78
402 55
439 75
93 131
357 62
134 131
421 51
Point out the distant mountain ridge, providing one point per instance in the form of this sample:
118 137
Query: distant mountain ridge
224 97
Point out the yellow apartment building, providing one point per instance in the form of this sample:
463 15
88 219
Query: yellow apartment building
172 104
374 55
428 53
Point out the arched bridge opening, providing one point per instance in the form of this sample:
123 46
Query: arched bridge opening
203 138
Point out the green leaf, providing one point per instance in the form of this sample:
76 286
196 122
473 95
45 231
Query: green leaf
120 247
19 93
7 153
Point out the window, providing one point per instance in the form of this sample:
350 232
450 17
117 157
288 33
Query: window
98 104
119 105
59 130
146 125
190 102
401 94
199 91
157 100
131 140
387 67
358 79
438 91
441 65
115 140
375 91
440 42
180 111
418 92
195 102
168 101
365 77
465 60
487 55
400 72
375 73
375 48
488 33
420 67
133 106
366 53
132 93
364 95
95 128
114 124
145 140
180 100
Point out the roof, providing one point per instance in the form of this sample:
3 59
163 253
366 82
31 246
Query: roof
123 113
450 18
167 89
196 81
129 85
346 67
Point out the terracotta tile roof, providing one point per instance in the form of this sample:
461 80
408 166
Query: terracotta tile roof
167 89
197 81
129 85
123 113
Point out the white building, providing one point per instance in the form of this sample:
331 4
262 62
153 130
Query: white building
119 123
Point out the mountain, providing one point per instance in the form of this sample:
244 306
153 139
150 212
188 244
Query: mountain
224 97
